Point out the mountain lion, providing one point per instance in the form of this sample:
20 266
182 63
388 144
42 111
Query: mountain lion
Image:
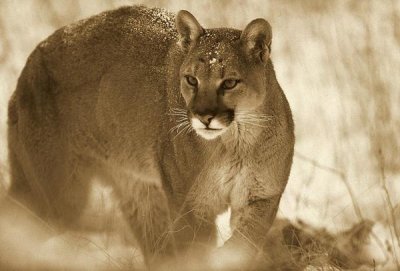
182 121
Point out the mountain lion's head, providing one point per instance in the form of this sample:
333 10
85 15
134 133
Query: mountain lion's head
223 75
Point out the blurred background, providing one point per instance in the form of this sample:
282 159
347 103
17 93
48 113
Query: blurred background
339 65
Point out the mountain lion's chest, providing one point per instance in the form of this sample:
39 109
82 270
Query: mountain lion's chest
222 184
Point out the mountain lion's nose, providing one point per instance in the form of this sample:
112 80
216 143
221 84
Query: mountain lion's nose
205 119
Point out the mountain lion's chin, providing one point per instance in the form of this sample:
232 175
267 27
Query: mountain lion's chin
209 134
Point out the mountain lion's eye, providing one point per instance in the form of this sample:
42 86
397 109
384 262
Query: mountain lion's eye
191 81
229 84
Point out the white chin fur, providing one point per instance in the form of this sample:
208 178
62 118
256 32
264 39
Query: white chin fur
199 127
209 134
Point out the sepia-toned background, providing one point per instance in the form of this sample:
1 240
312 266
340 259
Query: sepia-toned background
339 65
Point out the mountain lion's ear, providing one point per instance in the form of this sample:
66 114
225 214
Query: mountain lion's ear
188 28
256 39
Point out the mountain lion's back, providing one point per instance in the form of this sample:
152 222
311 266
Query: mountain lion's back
80 87
111 61
83 50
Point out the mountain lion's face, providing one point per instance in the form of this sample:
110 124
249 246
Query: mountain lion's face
218 82
222 78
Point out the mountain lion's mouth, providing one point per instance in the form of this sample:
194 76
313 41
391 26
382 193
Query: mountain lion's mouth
211 129
209 133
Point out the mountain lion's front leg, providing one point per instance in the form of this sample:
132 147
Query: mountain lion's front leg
250 224
146 209
194 230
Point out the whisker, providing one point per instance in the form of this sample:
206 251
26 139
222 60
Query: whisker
188 129
177 110
179 125
180 119
177 114
182 124
254 115
254 124
257 117
185 127
255 120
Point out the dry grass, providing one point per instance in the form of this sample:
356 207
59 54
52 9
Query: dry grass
338 62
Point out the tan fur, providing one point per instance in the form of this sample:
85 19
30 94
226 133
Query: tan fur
105 97
294 247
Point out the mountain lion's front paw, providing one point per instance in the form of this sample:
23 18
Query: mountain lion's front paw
230 258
